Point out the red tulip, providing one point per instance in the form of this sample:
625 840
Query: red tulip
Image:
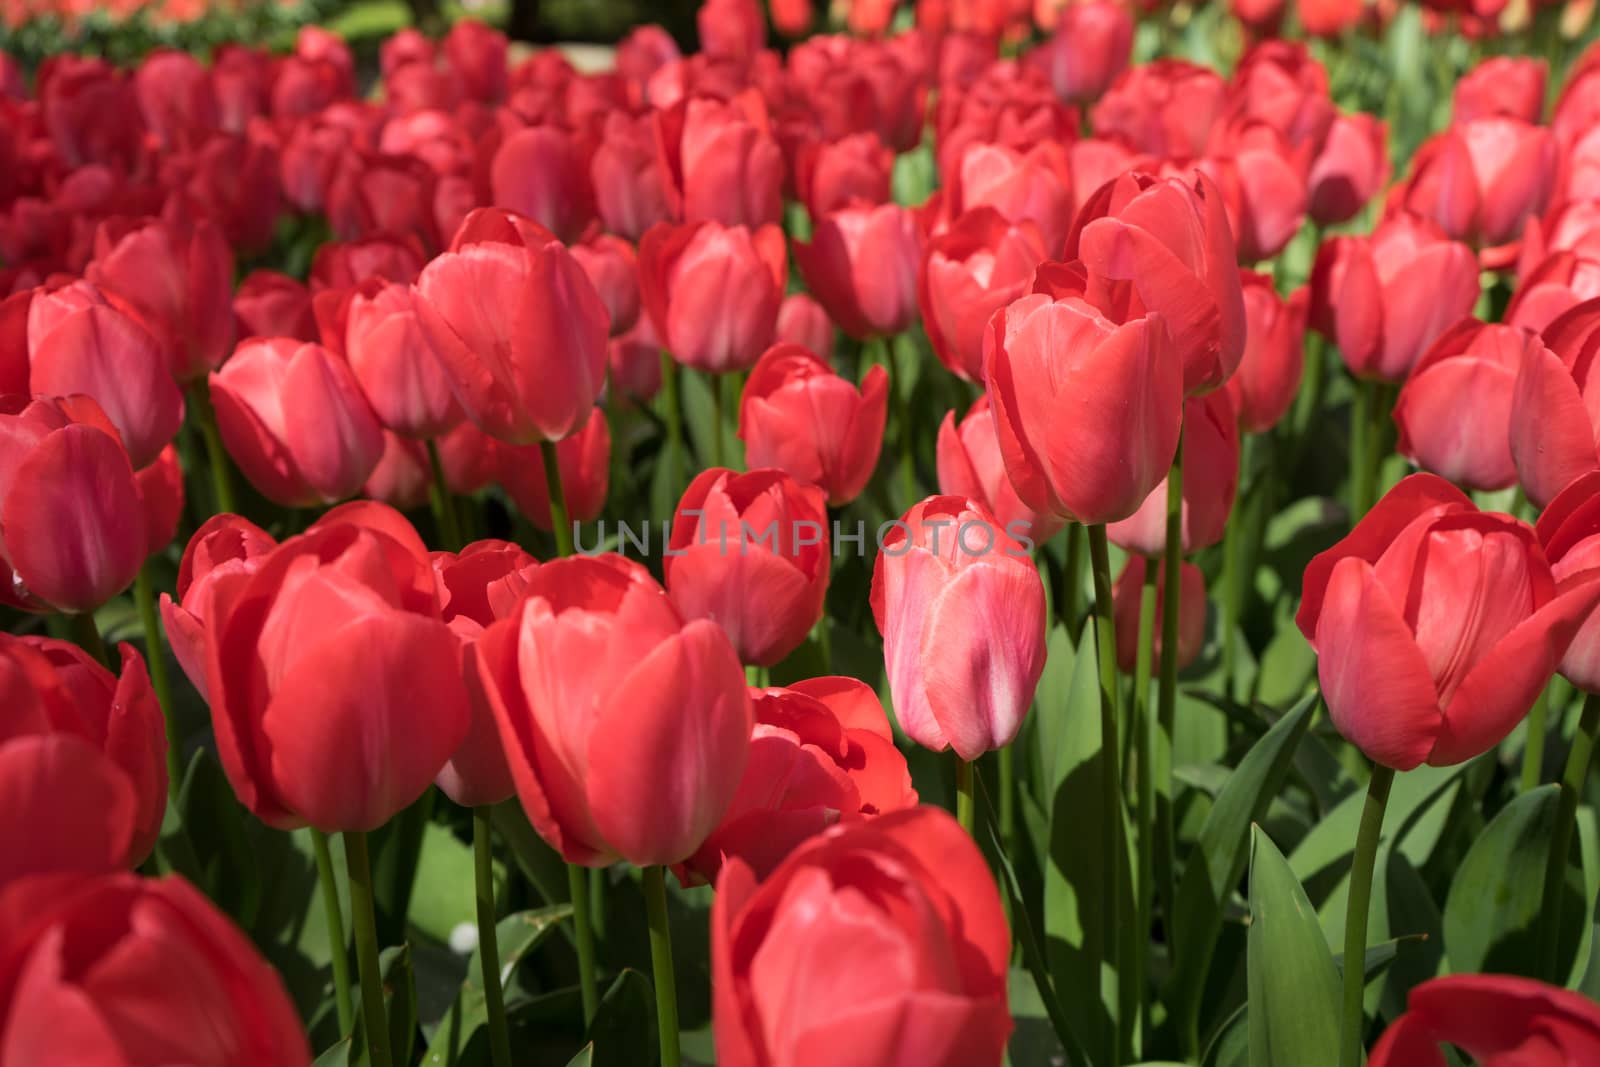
83 774
1567 533
1210 482
634 361
1436 626
1493 1018
830 175
822 752
1384 299
346 264
1264 177
1329 18
731 29
160 485
713 291
585 463
1268 379
521 334
222 554
176 98
178 286
1552 431
861 265
100 352
1164 245
234 181
909 886
796 414
1352 166
72 527
970 465
1089 49
626 729
751 553
1164 109
1501 85
316 666
1454 412
123 970
472 585
1482 180
240 76
613 269
632 187
1033 186
294 419
403 477
1126 605
541 172
90 112
269 304
1123 386
802 321
961 609
723 166
1280 84
391 357
1557 284
476 54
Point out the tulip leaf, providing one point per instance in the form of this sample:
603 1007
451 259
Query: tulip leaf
623 1033
518 935
1589 849
1331 840
1293 982
1491 920
444 897
699 391
538 862
1217 861
669 480
584 1058
400 1005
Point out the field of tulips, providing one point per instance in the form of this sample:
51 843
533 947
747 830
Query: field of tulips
929 535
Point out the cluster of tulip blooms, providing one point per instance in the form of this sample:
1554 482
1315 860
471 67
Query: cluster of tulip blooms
375 359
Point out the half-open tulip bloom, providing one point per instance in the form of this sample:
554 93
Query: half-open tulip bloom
83 774
797 961
713 291
970 465
1210 483
1436 625
626 728
1552 429
1494 1018
796 414
751 553
978 266
122 970
225 550
861 265
822 752
960 606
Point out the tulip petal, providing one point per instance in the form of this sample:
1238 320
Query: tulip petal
1552 439
53 1021
63 807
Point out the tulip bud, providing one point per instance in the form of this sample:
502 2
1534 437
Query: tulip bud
392 360
1091 46
970 465
1210 482
1352 166
713 291
802 321
724 167
1552 430
1127 604
613 269
861 265
269 304
976 267
1268 379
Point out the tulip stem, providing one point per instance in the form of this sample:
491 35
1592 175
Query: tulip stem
1533 744
338 951
964 801
1167 699
444 508
583 931
673 410
87 636
715 381
1357 910
1071 609
216 457
1112 844
655 902
1366 434
156 659
1555 872
1006 758
882 349
558 498
488 940
366 924
1141 767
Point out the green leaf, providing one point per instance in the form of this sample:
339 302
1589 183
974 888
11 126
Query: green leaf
400 1005
518 935
623 1033
1490 919
584 1058
444 897
1331 841
1218 859
669 480
1293 983
539 863
700 391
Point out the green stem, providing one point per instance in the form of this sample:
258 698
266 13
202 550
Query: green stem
1357 910
899 386
715 381
1533 746
488 939
444 508
1232 593
156 660
671 407
1163 863
1112 845
578 886
366 924
338 951
558 499
964 804
87 636
1071 610
1141 725
1366 434
1006 757
655 902
1555 872
199 397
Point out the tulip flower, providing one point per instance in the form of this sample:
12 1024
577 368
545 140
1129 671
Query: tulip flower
970 271
476 54
1552 430
802 321
1165 109
1553 286
970 465
1436 626
1126 606
1454 412
160 485
1032 186
403 477
520 332
223 552
317 663
751 553
395 365
1384 299
1210 483
346 264
294 419
713 291
176 98
934 907
1123 385
613 269
1329 18
722 166
961 609
1494 1018
269 304
540 172
156 974
1351 168
796 414
1262 176
1481 181
634 362
861 265
1091 45
1268 378
632 189
1164 245
830 175
626 728
83 774
72 525
821 752
584 460
1568 535
1501 85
